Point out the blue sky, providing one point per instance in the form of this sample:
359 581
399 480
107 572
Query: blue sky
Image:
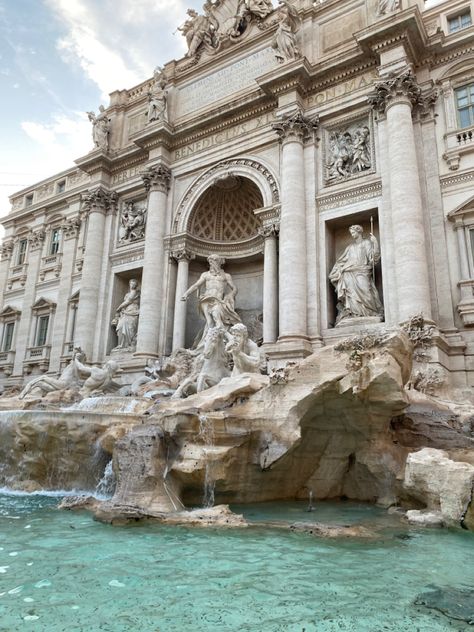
60 58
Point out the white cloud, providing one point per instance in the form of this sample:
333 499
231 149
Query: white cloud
118 43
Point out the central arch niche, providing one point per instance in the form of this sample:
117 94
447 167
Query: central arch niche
225 211
223 221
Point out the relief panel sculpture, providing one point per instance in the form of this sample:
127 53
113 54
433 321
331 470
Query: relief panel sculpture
132 223
349 152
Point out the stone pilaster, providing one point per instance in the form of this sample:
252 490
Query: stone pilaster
396 97
70 232
96 204
270 283
157 180
179 324
6 252
35 245
293 129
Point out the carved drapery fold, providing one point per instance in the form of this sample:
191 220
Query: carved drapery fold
157 178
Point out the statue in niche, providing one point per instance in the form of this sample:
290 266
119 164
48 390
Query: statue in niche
216 302
353 278
284 41
69 379
126 318
132 223
388 6
245 352
200 29
100 128
349 152
158 98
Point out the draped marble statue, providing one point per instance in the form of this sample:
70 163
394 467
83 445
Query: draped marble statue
284 41
388 6
100 128
216 295
158 97
353 278
126 318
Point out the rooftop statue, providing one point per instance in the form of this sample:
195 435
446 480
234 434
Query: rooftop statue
200 29
158 97
352 276
388 6
284 41
100 128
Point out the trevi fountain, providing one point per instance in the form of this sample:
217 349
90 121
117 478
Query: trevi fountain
264 426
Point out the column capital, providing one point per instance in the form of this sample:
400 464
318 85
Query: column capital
71 227
99 201
157 178
269 230
181 254
294 126
403 86
36 239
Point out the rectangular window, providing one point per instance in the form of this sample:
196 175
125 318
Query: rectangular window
54 247
29 199
465 105
61 186
458 22
22 246
42 332
8 336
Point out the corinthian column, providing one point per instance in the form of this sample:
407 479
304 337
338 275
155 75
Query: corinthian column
293 130
396 97
96 204
157 181
179 327
270 283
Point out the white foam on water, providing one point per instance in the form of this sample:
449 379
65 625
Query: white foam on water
13 554
74 607
29 563
31 617
15 591
116 584
56 493
3 569
28 526
44 583
28 599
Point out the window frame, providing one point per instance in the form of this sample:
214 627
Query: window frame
8 326
41 331
469 87
55 241
465 11
22 252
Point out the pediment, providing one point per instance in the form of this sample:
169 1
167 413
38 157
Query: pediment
44 304
9 312
464 209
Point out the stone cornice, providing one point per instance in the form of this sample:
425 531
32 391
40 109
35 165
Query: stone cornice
202 248
95 162
157 178
295 75
349 196
99 200
404 27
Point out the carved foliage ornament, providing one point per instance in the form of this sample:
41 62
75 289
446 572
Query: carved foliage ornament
157 178
36 239
70 227
402 85
181 254
99 200
295 126
7 249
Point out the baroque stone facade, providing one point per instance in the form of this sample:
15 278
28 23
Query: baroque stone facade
280 129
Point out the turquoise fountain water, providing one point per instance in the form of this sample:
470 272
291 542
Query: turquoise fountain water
63 571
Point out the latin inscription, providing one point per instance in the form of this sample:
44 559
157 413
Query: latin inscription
225 82
224 136
342 89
